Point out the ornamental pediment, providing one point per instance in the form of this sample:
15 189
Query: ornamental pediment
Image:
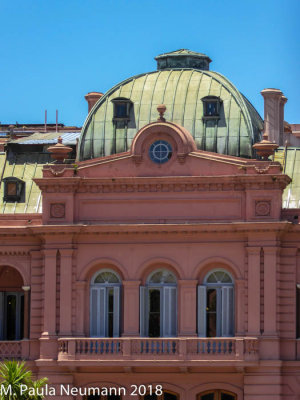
163 149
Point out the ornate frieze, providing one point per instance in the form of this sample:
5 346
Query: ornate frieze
125 185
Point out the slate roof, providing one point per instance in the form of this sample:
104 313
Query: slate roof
69 138
25 166
290 160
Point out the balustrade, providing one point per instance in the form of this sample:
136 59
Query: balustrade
164 348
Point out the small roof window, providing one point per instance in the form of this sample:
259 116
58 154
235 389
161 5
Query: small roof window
211 107
122 107
14 190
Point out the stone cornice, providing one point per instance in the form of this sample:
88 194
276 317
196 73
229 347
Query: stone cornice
163 184
150 229
147 229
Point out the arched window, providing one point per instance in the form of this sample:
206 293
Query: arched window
105 304
11 304
216 395
216 305
158 305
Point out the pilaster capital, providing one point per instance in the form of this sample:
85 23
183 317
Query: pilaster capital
80 284
66 252
187 283
26 288
271 250
49 253
253 250
133 284
240 283
36 254
289 251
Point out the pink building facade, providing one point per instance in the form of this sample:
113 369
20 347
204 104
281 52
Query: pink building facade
160 265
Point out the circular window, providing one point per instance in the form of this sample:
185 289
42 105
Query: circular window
160 151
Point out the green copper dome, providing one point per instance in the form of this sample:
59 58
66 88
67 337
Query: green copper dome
184 90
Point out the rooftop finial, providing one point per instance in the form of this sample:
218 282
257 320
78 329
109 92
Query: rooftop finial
59 152
265 148
161 109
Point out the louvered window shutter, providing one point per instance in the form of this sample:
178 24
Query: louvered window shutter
143 311
116 328
227 312
169 317
201 311
98 312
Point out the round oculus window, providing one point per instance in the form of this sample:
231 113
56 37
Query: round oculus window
160 151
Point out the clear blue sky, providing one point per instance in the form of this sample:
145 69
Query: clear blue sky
55 51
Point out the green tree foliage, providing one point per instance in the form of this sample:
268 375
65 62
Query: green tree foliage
13 375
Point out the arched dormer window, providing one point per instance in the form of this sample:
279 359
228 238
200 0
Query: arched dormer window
211 107
158 305
105 304
122 108
216 305
14 189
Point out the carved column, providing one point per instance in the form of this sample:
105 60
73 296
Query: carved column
65 315
26 312
187 307
270 291
49 292
131 308
253 291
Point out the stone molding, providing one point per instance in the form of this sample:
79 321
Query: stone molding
168 184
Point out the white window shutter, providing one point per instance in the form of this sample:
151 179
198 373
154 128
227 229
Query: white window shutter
201 322
1 315
144 318
102 312
227 311
98 315
169 317
117 303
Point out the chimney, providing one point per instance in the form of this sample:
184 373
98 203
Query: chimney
274 102
92 98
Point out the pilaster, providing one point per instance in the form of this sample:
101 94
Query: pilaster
253 291
187 307
131 307
65 322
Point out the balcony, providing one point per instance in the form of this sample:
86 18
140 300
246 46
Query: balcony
138 351
18 349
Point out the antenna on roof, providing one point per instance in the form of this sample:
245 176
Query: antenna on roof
56 121
45 120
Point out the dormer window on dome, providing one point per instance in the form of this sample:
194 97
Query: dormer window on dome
13 189
211 107
122 107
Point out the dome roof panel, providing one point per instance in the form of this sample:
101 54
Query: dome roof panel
182 91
